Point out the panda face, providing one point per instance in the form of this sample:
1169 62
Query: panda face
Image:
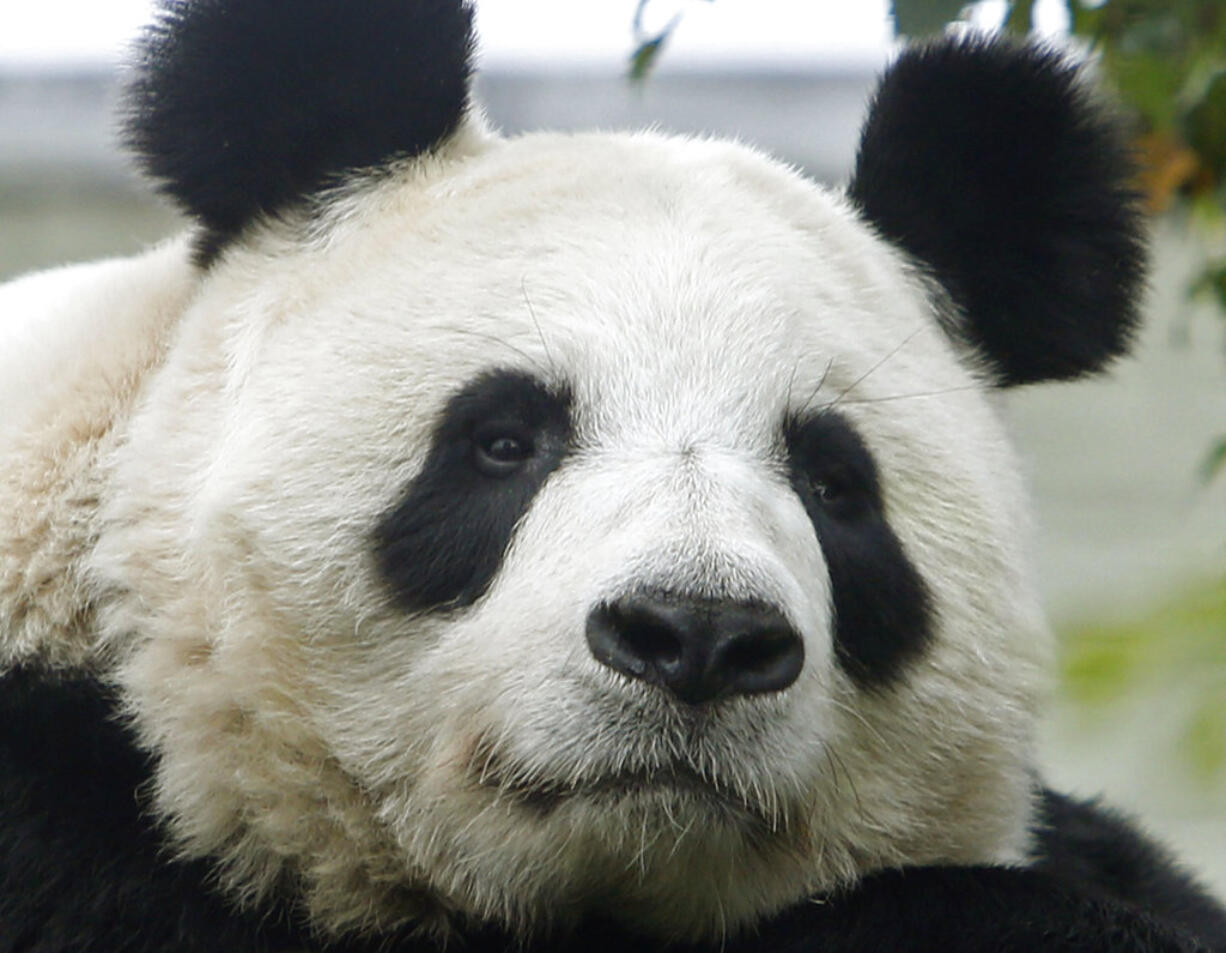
567 524
521 530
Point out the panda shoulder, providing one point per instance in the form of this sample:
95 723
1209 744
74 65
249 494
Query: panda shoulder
75 344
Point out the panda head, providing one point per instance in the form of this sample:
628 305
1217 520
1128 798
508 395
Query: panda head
526 528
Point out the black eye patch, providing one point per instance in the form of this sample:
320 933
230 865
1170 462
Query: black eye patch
881 606
495 443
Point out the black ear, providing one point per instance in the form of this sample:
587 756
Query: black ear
992 164
242 108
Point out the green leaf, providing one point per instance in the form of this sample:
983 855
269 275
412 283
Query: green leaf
647 53
1203 742
1020 16
1204 124
917 17
644 57
1086 21
1215 461
1100 662
1212 282
1149 82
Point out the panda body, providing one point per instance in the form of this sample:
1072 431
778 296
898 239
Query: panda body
471 539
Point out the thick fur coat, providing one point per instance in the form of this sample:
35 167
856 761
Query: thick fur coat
567 541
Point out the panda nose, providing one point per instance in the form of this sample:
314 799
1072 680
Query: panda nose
697 650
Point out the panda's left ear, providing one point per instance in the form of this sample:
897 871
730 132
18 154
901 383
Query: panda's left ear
992 164
242 108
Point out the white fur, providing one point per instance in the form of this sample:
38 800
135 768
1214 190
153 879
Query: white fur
690 293
76 345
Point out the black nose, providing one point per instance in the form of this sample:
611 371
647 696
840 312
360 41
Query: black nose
697 650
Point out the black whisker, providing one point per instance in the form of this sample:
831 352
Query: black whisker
523 290
816 390
917 394
502 342
863 377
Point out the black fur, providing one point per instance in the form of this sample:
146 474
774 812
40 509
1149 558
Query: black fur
969 910
83 869
441 544
882 608
242 108
990 164
1086 843
82 866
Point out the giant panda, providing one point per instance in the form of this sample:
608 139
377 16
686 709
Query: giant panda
564 542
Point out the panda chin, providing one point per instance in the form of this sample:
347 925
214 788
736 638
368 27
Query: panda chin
649 847
670 787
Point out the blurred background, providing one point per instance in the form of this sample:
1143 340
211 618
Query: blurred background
1126 470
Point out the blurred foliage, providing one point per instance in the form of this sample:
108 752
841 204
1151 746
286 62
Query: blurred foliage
1167 58
1167 61
1180 643
925 16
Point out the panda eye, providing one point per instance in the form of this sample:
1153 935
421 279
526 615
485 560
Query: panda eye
831 469
499 450
826 491
829 489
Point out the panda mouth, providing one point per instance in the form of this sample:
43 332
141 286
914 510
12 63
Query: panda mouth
673 782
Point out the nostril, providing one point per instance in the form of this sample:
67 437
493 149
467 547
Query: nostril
648 637
766 659
604 638
634 640
752 652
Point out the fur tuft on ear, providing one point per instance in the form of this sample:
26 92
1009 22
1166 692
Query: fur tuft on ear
991 163
241 108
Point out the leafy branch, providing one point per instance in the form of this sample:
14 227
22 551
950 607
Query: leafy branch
648 44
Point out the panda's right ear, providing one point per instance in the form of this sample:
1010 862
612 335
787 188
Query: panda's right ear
243 108
995 167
